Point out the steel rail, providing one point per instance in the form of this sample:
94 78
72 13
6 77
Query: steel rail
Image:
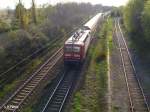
125 74
49 99
131 99
65 98
55 94
37 77
139 83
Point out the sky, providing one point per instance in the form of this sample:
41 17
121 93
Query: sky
12 3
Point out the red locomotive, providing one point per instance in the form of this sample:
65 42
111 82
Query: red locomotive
75 48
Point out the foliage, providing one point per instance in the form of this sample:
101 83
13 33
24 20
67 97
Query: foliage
28 109
19 11
137 23
116 11
4 27
7 89
64 17
14 24
77 102
70 14
34 12
20 14
146 21
25 21
19 44
132 15
22 44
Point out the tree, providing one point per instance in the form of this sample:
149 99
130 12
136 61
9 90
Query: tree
132 15
25 21
22 15
137 22
146 21
4 26
19 13
34 12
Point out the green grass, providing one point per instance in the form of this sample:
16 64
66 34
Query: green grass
115 109
110 35
77 102
28 109
91 98
7 88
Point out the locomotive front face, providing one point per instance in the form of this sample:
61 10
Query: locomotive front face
72 53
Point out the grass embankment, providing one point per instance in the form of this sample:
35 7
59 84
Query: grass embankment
32 65
92 97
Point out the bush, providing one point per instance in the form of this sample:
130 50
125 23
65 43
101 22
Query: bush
19 46
4 27
15 24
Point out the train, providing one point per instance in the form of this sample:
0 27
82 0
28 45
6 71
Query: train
76 47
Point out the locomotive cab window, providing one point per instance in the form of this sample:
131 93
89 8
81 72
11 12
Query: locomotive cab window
76 49
72 49
68 49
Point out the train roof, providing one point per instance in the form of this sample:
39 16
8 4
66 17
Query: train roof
79 39
93 21
80 35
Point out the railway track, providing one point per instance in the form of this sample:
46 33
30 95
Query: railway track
58 97
16 101
3 76
137 100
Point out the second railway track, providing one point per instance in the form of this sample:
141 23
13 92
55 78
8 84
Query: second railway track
60 93
15 102
137 100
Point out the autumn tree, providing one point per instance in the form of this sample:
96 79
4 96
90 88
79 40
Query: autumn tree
19 12
22 15
34 12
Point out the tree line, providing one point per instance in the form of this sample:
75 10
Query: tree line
136 18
